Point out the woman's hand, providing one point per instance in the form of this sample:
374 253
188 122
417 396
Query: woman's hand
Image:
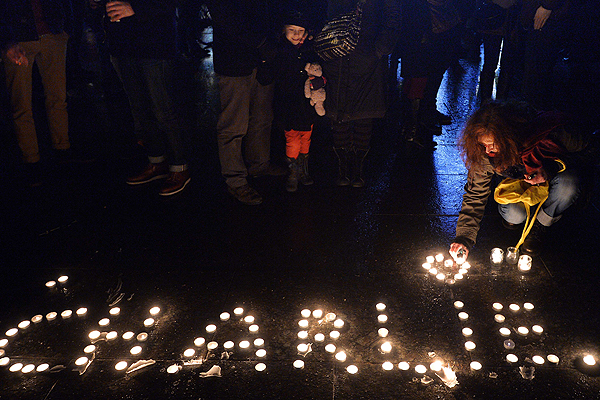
535 179
117 10
16 55
458 250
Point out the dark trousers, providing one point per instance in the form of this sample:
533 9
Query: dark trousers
244 127
149 87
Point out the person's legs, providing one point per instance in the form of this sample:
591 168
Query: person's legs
257 144
491 55
563 191
51 62
513 213
232 127
19 86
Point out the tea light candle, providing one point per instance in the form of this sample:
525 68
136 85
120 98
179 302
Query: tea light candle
260 367
589 360
387 366
115 311
244 344
302 334
50 284
426 266
511 358
213 345
512 255
112 335
499 318
317 314
259 342
303 323
319 337
497 306
504 331
553 358
509 344
173 369
433 271
154 311
449 263
302 348
496 256
440 276
16 367
330 348
148 322
436 366
386 347
298 364
51 316
142 337
135 350
539 360
224 316
514 307
528 306
382 318
81 311
42 367
524 263
467 332
469 345
522 330
89 349
199 341
24 324
338 323
380 307
81 361
420 369
104 322
334 335
238 311
94 335
430 259
404 366
458 305
475 365
4 361
463 316
121 365
439 257
352 369
28 368
305 313
128 335
3 342
382 332
211 328
537 329
249 319
340 356
228 344
253 328
330 317
261 353
63 279
66 314
36 319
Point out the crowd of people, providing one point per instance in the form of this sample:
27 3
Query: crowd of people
272 78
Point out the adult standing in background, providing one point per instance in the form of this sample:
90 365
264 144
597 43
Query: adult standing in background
357 86
243 40
142 41
34 31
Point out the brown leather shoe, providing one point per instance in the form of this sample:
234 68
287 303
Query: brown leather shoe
175 183
151 173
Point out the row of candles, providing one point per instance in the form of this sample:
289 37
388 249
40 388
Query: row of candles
512 257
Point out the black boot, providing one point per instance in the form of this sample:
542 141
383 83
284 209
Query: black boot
343 156
358 179
413 130
535 239
304 177
291 185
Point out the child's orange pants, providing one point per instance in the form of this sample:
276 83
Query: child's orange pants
297 142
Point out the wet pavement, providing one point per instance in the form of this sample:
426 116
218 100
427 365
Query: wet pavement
342 251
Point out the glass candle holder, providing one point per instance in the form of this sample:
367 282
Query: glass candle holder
512 255
525 263
496 257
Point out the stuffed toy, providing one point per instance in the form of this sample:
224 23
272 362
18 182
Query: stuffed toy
314 87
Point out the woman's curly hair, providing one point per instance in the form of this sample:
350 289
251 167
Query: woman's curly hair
507 122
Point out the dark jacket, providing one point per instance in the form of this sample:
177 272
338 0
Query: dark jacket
292 108
356 86
149 33
559 9
241 29
553 137
17 22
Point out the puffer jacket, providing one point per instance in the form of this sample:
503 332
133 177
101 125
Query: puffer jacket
556 138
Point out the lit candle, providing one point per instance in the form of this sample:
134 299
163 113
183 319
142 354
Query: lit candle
51 316
42 367
436 366
382 332
81 361
302 334
212 345
4 361
115 311
463 316
388 366
36 319
524 263
63 279
135 350
16 367
528 306
228 344
334 335
511 358
589 360
121 365
330 317
475 365
244 344
3 342
173 369
142 337
298 364
128 335
382 318
449 263
380 307
66 314
441 276
537 329
261 353
469 345
522 330
505 332
426 266
112 335
338 323
420 369
154 310
514 307
81 311
211 328
433 271
89 349
50 284
439 257
340 356
238 311
260 367
352 369
386 347
404 366
467 332
305 313
496 256
319 337
253 328
430 259
224 316
104 322
303 323
148 322
189 353
249 319
199 341
302 348
553 358
499 318
458 305
24 324
459 276
317 313
330 348
94 335
497 306
466 265
259 342
539 360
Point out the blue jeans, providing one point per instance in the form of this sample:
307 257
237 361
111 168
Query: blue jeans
563 190
149 84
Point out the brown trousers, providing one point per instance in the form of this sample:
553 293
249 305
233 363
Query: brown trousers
49 53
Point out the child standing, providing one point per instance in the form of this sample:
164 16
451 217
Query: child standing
292 108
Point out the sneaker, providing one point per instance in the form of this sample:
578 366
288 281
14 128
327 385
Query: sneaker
175 183
270 170
245 194
151 173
